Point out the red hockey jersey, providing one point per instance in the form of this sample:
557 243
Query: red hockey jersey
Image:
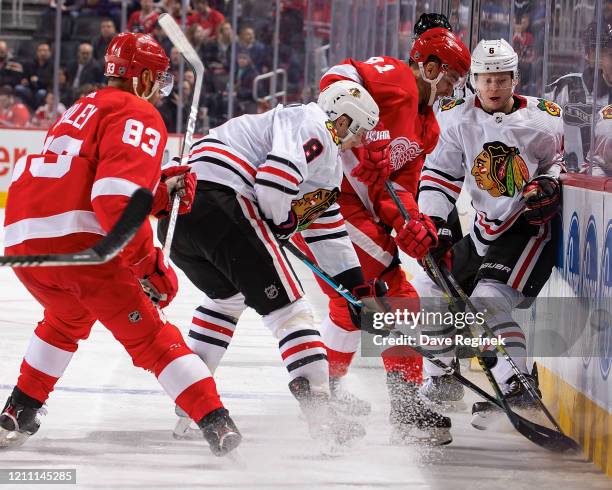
97 153
413 135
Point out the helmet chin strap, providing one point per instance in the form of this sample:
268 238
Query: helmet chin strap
144 97
433 84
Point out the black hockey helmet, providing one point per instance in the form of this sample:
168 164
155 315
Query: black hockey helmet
590 38
430 20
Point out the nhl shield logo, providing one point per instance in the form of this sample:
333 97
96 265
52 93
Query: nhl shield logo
271 291
134 317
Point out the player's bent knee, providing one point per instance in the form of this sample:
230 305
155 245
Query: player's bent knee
155 352
232 306
295 315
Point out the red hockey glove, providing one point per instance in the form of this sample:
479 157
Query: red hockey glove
542 200
158 281
442 253
174 179
374 165
417 236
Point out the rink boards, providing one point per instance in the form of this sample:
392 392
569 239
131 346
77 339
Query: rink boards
578 388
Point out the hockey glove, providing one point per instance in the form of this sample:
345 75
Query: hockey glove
371 293
374 165
542 200
416 237
174 179
286 229
442 252
158 281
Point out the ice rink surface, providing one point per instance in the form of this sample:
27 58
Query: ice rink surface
112 422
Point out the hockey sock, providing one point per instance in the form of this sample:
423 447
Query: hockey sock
404 361
340 343
212 328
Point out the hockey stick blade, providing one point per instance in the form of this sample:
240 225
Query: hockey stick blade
128 224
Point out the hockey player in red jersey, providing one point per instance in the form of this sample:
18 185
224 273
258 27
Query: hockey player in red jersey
406 133
108 144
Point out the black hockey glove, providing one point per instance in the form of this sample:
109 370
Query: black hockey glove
372 295
442 253
286 229
542 200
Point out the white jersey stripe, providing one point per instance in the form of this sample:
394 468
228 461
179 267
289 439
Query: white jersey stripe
369 246
113 186
528 259
47 358
181 373
52 226
345 71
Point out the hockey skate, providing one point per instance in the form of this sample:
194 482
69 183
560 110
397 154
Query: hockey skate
220 432
345 402
184 426
411 420
19 419
444 389
485 413
324 424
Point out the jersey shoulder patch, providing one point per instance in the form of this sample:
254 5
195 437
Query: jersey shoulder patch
447 104
606 112
549 107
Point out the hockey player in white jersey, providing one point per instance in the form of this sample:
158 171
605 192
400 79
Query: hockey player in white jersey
506 151
599 159
262 178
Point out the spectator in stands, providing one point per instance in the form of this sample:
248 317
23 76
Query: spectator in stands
67 94
38 77
68 6
209 18
143 20
216 55
257 51
523 44
13 114
11 72
173 7
85 69
169 106
245 74
101 42
198 38
44 116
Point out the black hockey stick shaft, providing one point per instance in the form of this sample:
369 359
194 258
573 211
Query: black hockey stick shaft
446 281
542 436
128 224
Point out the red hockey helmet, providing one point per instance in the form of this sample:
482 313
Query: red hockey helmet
446 46
128 54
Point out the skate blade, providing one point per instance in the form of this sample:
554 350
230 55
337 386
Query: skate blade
10 439
227 445
184 431
484 420
427 437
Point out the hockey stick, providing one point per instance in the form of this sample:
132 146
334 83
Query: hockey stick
444 277
180 42
134 214
538 434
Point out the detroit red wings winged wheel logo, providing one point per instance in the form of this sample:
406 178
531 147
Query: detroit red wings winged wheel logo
403 151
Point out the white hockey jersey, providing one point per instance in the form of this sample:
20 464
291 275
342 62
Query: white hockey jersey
284 159
599 160
493 156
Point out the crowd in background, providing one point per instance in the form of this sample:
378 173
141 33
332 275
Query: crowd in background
26 73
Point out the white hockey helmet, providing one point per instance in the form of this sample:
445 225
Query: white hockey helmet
495 56
350 98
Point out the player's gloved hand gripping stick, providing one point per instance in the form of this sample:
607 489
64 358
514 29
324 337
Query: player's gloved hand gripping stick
178 39
558 441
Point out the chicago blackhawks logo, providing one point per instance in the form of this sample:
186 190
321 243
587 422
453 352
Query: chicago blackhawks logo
355 92
403 151
312 205
499 170
550 107
448 104
606 112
